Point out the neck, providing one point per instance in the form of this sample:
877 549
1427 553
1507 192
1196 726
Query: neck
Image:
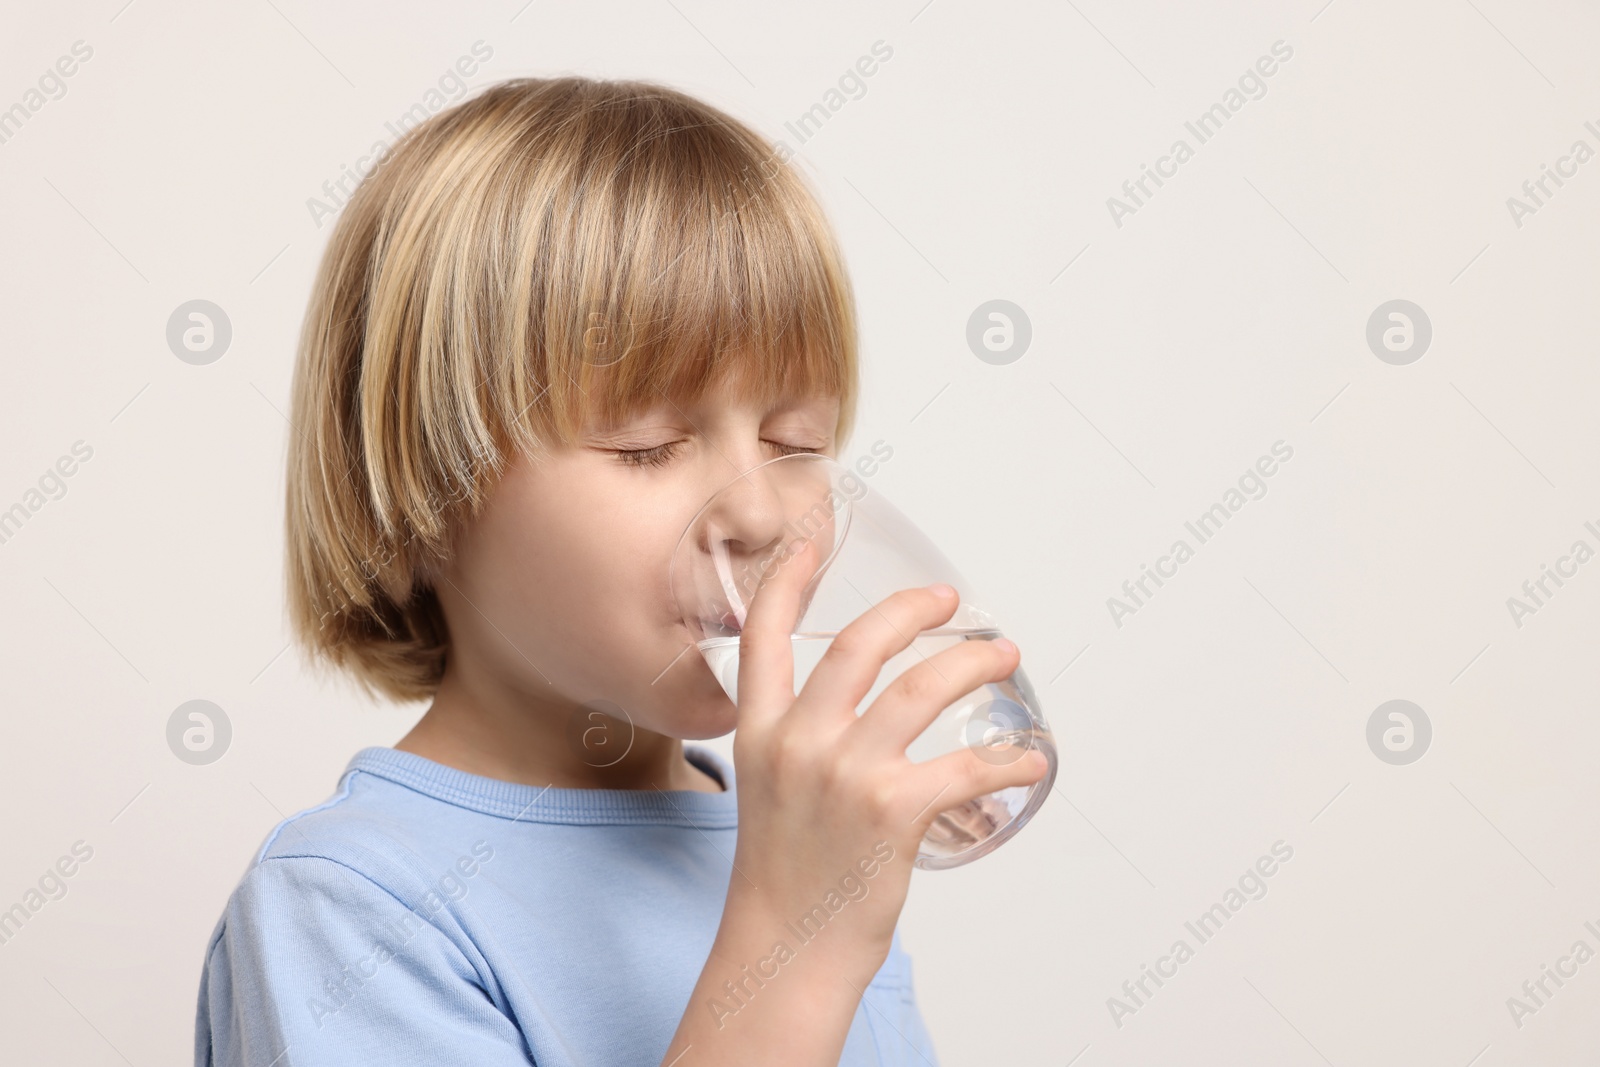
514 737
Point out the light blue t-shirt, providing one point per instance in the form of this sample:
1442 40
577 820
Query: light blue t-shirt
426 916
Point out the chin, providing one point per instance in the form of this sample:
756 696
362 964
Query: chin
703 713
695 708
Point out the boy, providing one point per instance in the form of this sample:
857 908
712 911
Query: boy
555 320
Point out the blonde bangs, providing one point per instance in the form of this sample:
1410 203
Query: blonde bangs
662 255
741 282
549 253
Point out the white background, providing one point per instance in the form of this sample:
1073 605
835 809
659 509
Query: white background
1228 313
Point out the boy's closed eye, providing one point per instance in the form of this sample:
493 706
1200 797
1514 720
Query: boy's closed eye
662 454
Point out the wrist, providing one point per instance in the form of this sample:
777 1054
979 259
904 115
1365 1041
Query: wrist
763 932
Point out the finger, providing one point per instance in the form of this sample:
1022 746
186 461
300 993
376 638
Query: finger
766 650
961 777
910 703
850 666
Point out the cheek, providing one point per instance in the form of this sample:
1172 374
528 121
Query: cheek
567 569
578 568
579 580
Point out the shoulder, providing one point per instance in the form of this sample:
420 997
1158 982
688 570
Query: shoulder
369 848
362 811
316 955
343 918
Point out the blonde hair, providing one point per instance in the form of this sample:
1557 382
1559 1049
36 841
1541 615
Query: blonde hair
547 250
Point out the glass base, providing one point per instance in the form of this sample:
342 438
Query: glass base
978 827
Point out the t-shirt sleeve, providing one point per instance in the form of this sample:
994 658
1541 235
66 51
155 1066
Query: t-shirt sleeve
889 1003
315 964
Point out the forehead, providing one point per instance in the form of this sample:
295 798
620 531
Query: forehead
739 389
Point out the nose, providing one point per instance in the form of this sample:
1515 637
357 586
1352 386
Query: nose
746 516
750 521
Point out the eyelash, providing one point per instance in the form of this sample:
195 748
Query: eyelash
662 454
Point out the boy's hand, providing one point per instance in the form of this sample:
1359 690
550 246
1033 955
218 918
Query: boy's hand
820 788
824 797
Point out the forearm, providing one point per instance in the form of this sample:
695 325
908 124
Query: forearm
767 996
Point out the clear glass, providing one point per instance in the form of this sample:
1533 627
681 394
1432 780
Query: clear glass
869 550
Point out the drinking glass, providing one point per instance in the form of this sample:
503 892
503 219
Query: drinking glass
869 549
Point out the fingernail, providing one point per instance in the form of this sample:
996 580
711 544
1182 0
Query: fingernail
941 589
1004 644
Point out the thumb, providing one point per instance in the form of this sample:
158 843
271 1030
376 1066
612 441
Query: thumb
766 651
